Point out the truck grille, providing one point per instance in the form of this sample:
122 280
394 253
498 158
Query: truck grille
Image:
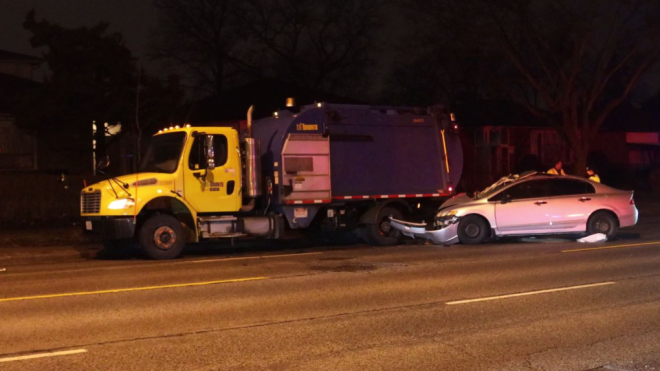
90 203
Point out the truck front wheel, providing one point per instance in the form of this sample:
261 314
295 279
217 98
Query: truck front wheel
381 233
162 237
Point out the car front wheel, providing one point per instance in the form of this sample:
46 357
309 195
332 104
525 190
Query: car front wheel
473 230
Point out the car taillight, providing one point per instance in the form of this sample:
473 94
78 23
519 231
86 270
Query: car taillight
632 201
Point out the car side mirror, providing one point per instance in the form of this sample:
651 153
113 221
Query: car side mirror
209 151
506 199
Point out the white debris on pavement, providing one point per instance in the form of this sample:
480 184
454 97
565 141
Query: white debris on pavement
598 237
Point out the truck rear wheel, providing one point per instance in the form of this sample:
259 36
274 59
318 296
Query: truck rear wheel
162 237
381 233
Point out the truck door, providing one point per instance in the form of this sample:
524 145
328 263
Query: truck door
216 190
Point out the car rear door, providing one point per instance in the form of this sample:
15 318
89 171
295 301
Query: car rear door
525 208
571 203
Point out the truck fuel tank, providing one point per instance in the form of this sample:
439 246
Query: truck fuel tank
252 167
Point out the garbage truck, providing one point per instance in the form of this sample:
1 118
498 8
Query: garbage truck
327 168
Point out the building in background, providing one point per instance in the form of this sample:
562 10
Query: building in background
501 138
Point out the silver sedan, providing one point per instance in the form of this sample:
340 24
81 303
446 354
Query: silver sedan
528 204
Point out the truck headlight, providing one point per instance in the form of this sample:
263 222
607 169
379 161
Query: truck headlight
122 203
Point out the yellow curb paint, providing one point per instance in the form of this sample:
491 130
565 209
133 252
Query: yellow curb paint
131 289
528 293
613 247
43 355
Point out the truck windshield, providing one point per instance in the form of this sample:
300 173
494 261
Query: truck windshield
163 153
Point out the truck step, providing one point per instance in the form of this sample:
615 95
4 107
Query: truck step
222 235
225 218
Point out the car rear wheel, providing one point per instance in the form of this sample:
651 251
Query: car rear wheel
473 230
603 222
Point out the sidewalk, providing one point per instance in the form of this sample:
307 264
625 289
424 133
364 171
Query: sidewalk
38 243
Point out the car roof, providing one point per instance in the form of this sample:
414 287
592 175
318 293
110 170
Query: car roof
600 188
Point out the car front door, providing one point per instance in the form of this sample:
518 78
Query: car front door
523 208
571 202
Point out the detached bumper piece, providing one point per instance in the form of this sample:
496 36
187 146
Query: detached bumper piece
445 236
110 228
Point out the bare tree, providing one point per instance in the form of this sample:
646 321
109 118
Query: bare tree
435 61
204 39
324 44
570 63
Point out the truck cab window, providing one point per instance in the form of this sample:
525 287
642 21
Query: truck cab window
197 159
163 153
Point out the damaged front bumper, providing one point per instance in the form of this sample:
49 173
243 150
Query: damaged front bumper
445 236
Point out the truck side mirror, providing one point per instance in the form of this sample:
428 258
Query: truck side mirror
209 151
103 163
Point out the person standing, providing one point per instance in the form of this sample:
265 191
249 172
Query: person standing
591 174
557 169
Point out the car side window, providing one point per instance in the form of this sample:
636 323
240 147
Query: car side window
197 159
566 187
528 189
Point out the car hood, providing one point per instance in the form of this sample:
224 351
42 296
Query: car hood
459 199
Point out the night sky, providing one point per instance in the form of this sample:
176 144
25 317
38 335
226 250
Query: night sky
132 18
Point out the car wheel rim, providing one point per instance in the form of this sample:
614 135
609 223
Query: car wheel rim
472 230
164 238
602 226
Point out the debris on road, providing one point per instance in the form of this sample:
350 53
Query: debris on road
597 237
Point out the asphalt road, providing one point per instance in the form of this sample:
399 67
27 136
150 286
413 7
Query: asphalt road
544 304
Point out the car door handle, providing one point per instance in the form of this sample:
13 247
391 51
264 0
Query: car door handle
585 199
539 203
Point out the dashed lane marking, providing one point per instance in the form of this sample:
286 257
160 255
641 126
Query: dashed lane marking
613 246
43 355
489 298
145 288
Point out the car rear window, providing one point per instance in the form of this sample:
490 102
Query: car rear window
564 187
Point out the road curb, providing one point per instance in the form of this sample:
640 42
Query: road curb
45 253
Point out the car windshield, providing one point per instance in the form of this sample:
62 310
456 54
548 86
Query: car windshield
505 180
163 153
496 186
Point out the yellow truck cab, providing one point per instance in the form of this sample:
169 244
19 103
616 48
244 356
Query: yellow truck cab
185 173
